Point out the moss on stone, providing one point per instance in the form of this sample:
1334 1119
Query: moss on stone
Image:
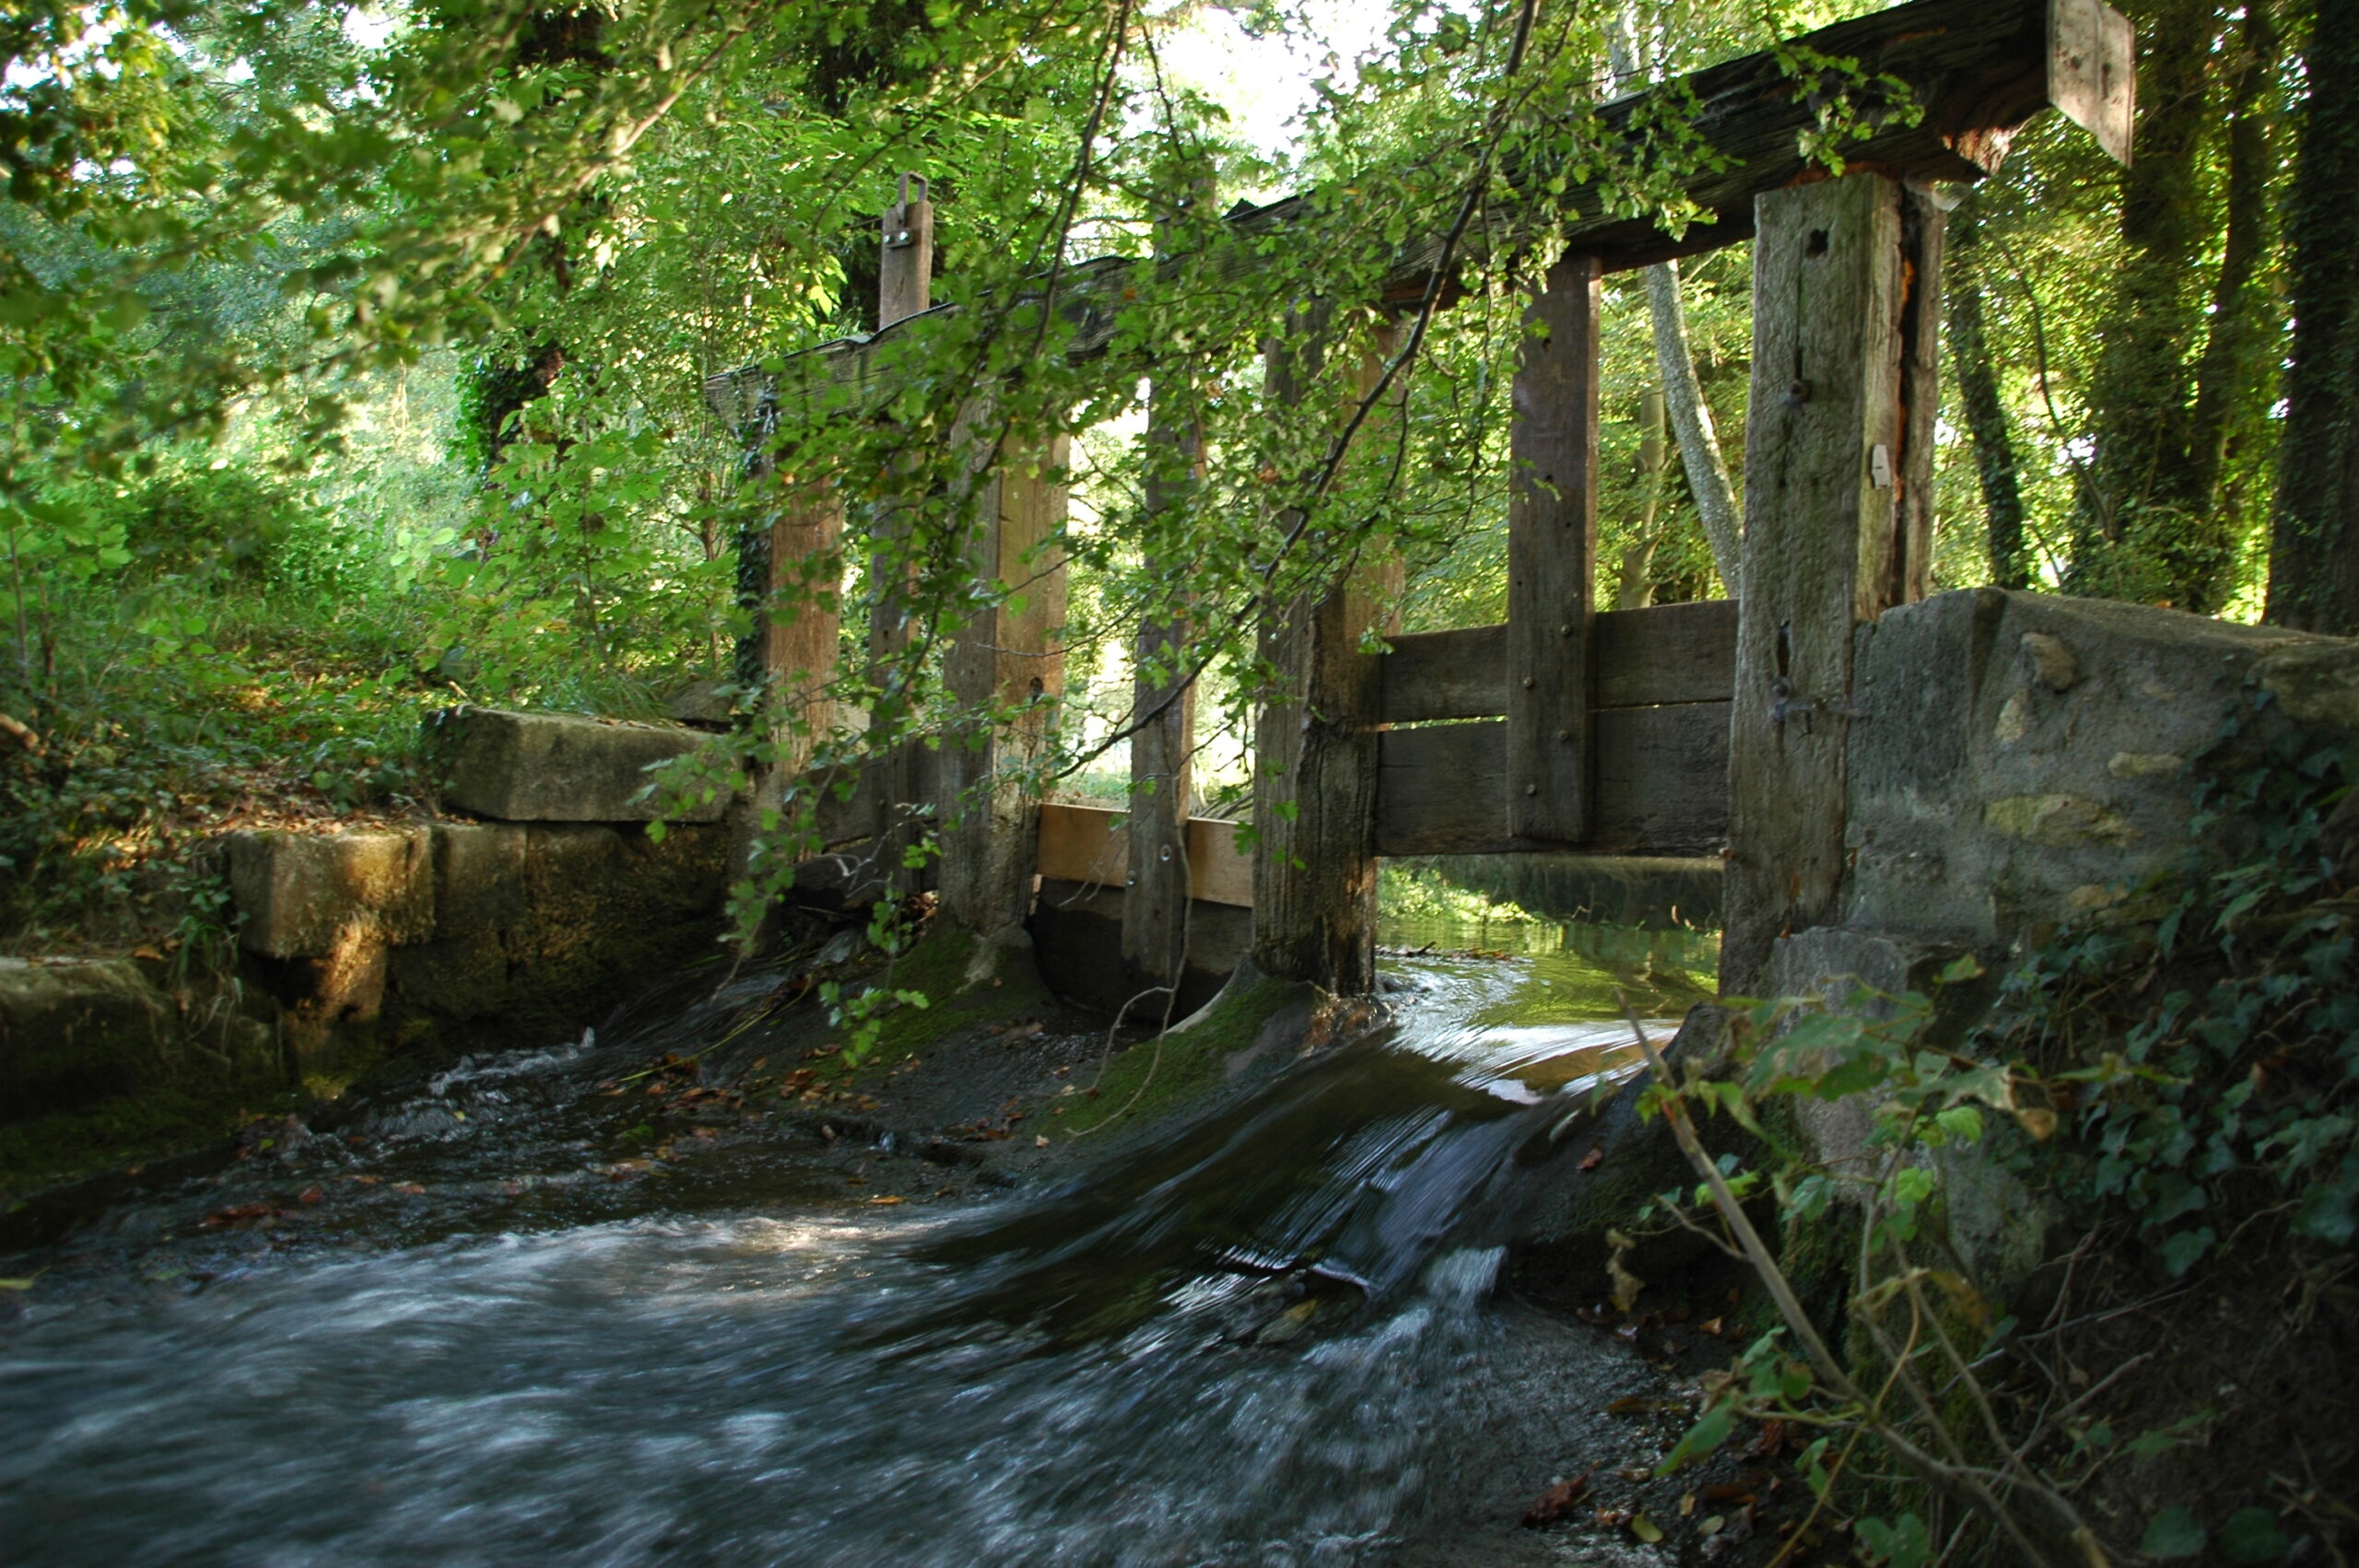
1159 1074
98 1068
939 967
65 1146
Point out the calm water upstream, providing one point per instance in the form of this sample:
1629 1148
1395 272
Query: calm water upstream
1271 1337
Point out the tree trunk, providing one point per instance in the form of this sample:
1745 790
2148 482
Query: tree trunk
1691 420
2139 392
1986 410
1691 417
2232 372
2314 559
1634 581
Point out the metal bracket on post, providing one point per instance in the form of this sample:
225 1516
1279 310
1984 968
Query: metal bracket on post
899 232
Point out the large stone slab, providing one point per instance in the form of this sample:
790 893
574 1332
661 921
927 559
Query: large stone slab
540 928
559 767
2022 758
308 895
76 1030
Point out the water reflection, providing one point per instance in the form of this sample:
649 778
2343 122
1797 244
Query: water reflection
1570 973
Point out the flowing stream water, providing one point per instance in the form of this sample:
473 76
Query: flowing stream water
1271 1335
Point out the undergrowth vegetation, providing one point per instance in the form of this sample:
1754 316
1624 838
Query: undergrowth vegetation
2100 1298
219 639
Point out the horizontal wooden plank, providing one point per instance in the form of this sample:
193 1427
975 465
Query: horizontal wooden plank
1084 843
1640 658
1975 69
1077 939
1665 653
1092 844
846 816
1217 873
1661 779
1442 791
1452 674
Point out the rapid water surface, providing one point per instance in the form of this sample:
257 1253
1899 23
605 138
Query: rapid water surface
1273 1336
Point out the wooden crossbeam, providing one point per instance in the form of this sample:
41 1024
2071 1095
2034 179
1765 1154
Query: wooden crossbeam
1660 786
1664 653
1091 844
1979 69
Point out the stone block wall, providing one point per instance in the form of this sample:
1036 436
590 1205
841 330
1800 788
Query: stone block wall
527 922
561 767
2021 759
512 930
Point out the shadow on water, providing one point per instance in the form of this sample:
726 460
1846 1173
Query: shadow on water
1266 1335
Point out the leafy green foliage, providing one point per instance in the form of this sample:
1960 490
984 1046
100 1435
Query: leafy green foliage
2187 1077
2237 1085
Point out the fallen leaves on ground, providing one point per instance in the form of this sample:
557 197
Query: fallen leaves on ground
1556 1503
239 1213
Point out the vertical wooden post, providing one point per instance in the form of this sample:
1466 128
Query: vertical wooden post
1155 907
904 288
905 280
1005 659
789 577
1923 227
1825 546
1315 751
801 614
1552 556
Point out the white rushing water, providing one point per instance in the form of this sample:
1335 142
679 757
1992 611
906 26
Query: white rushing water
1266 1339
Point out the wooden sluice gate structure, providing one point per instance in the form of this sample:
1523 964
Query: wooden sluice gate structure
1704 729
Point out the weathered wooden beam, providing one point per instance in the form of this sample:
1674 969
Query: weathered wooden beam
1155 914
1638 658
852 806
904 285
1092 844
1663 653
1830 297
1660 786
1978 69
1452 674
2093 71
905 277
1005 671
1442 789
793 655
1552 554
800 629
1661 780
1922 224
1314 752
